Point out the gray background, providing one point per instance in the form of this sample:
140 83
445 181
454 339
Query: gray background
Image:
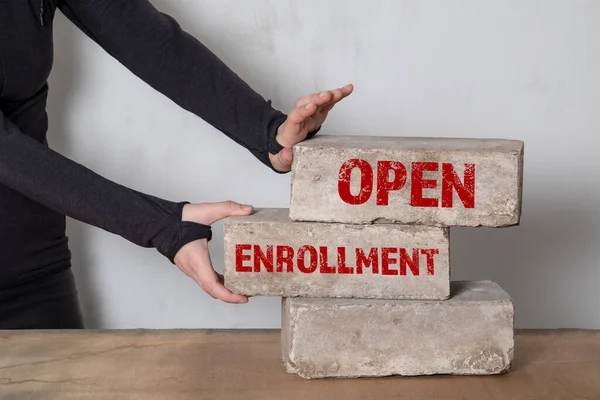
512 69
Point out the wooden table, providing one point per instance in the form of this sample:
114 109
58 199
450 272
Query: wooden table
246 365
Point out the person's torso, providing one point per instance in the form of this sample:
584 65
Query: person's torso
26 56
31 236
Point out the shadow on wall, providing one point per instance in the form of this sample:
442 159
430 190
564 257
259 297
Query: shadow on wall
66 72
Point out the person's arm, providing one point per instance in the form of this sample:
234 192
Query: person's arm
153 46
60 184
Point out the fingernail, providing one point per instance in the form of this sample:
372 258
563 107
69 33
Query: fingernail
243 301
246 207
309 105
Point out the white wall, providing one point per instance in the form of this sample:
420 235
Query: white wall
513 69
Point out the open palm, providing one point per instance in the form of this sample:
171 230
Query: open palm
308 114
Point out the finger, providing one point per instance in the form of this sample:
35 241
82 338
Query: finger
347 90
325 96
338 95
299 114
317 98
282 161
208 280
215 288
213 212
218 291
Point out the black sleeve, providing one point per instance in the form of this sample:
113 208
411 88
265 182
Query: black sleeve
153 46
45 176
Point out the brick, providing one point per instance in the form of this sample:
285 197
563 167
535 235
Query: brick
427 181
409 261
469 334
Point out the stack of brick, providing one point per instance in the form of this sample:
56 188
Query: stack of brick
361 258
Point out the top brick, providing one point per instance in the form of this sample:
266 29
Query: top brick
425 181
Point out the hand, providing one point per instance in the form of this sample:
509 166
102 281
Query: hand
308 114
193 259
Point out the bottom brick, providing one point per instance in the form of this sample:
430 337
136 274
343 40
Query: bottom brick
471 333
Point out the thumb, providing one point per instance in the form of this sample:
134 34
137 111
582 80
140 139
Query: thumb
226 209
282 161
209 213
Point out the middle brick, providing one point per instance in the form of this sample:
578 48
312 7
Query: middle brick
268 254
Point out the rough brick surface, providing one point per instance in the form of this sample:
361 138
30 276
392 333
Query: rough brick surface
469 334
428 181
334 260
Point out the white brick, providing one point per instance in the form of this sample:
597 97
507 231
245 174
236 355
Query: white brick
322 177
339 247
469 334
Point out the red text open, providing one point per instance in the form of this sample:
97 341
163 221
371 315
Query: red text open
389 176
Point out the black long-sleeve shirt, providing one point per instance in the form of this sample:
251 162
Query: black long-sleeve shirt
38 186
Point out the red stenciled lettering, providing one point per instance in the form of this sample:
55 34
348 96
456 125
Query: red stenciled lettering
325 268
386 261
450 180
263 259
370 261
313 259
342 268
240 257
260 257
418 184
285 255
430 264
413 263
384 185
366 181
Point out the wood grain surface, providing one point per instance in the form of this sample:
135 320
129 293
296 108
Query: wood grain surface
245 364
